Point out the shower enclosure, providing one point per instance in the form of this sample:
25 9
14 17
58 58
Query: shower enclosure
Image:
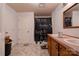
43 26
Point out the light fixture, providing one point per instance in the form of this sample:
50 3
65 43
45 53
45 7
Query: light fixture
42 5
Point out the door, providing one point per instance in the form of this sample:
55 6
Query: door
26 27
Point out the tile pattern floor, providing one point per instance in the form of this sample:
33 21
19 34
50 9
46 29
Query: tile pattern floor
28 50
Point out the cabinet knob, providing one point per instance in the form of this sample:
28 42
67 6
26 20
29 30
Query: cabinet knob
60 47
28 31
56 46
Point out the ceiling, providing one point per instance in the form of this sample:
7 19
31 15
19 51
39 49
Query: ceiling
44 10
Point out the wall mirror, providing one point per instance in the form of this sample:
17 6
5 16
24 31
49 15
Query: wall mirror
71 17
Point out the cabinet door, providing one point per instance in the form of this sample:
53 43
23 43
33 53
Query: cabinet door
70 53
49 45
54 47
62 50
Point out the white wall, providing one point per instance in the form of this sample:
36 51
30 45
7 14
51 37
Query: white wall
57 21
73 32
9 23
20 26
1 35
1 8
26 27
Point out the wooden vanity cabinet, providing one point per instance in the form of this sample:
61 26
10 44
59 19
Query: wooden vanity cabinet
49 45
52 47
70 53
57 49
64 51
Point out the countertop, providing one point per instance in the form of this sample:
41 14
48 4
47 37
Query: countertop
61 41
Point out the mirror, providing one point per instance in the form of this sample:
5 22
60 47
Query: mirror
71 17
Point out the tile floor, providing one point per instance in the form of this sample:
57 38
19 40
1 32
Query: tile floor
28 50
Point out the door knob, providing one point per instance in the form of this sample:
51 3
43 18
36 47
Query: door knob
28 31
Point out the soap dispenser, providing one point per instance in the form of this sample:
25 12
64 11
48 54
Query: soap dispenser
60 34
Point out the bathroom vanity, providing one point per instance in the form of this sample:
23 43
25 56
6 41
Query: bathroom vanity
63 46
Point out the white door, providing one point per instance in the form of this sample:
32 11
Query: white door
26 27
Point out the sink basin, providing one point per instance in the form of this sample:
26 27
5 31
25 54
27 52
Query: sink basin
73 41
